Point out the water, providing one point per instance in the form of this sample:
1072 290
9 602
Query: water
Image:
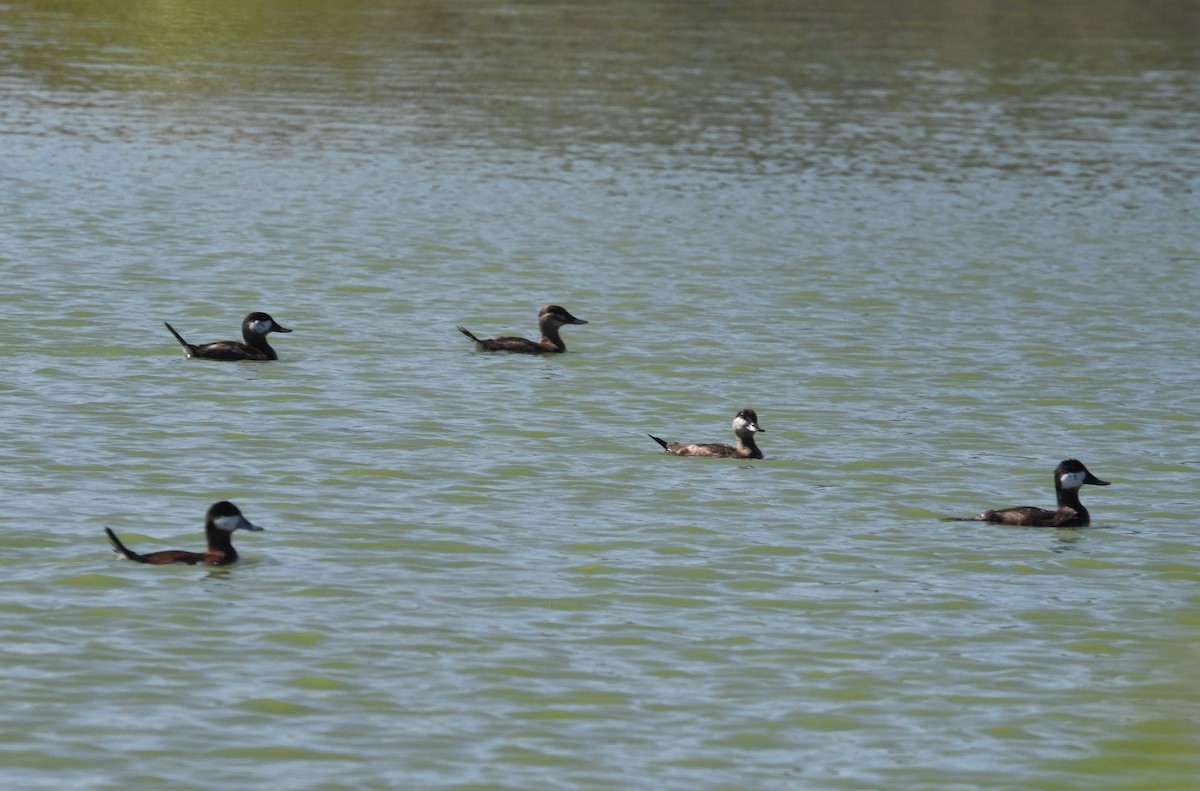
938 248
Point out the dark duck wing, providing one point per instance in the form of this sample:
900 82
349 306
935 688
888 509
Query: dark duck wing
1017 515
696 449
503 343
230 350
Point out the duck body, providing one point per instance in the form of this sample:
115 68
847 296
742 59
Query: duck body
1032 516
219 523
1069 476
745 426
550 320
253 346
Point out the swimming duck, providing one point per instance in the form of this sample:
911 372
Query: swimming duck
745 426
219 523
1069 476
551 318
254 331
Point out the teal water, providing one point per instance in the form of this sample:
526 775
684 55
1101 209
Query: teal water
939 248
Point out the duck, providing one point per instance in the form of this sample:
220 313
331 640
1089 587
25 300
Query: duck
550 319
219 523
255 328
745 426
1069 476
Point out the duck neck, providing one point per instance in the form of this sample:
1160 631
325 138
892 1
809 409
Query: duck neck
220 541
1069 498
550 337
746 443
257 340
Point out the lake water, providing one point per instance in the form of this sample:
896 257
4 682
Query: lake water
938 246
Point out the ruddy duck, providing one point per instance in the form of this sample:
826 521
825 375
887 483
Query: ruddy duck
1069 476
219 523
254 331
549 320
745 426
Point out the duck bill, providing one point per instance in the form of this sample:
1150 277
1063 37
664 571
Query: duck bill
246 524
1094 481
236 522
280 328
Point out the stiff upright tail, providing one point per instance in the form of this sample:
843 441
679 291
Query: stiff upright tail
186 346
119 548
467 332
662 442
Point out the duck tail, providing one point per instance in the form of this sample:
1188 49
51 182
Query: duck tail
662 442
120 549
468 333
186 346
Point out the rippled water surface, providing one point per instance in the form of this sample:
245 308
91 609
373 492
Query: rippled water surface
938 246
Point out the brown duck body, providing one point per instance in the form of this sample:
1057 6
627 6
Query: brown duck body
1031 516
745 426
1069 477
550 320
253 345
219 523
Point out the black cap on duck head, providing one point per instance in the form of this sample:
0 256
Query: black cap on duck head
1071 474
262 323
559 314
226 516
748 419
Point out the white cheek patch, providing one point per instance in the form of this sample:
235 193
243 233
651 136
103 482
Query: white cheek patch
228 523
1072 480
262 327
